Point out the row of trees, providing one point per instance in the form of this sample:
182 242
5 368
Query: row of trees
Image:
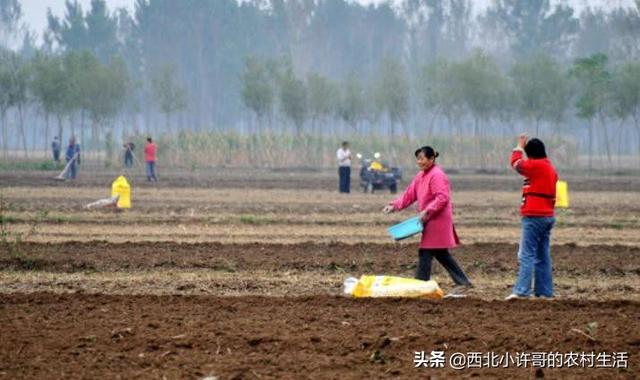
446 97
77 90
206 42
474 92
405 69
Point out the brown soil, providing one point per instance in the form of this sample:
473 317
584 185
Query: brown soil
585 273
321 179
86 296
480 259
173 337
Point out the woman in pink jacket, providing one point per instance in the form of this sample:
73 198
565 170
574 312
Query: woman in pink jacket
430 187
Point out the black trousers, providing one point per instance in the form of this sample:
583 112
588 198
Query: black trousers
345 178
448 262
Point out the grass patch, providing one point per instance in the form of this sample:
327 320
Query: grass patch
40 217
6 219
60 219
47 165
252 219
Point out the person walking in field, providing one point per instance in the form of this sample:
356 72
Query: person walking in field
55 149
128 154
430 188
72 156
343 155
537 210
150 159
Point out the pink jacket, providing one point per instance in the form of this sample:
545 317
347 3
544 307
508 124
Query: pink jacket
431 189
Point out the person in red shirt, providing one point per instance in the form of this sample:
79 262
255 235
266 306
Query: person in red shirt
537 210
150 159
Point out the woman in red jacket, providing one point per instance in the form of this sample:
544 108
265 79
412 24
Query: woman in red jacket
537 210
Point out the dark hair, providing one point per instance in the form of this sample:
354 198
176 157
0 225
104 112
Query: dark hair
149 139
428 152
535 149
345 143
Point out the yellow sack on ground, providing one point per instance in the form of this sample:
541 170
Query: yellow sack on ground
562 194
120 187
389 286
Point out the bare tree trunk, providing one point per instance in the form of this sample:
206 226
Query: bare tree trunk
93 142
620 138
5 137
147 121
431 124
82 126
22 132
636 122
34 121
606 139
590 145
405 131
478 144
392 132
73 127
46 134
60 130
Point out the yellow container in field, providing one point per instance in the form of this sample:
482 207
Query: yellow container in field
562 194
390 286
121 188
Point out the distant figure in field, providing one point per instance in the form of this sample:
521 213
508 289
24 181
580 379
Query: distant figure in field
72 156
128 154
344 167
150 159
55 148
537 210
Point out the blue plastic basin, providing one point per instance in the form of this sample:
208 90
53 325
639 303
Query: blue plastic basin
406 229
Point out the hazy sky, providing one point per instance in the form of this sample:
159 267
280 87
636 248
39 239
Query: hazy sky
35 11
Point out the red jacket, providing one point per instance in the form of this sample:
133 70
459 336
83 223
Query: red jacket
539 189
150 152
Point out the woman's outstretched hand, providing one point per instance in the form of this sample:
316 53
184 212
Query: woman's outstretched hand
388 209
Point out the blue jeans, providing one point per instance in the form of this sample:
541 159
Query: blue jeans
73 170
151 171
128 160
534 257
345 178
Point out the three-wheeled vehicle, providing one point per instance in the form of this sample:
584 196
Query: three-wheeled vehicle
376 174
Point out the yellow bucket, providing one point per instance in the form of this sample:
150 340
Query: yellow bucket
121 188
562 194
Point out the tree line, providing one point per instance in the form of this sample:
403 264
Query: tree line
418 67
